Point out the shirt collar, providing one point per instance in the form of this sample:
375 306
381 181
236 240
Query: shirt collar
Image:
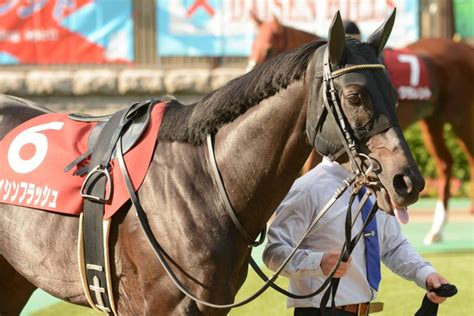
335 168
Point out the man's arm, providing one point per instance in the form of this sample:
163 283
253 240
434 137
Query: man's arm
403 259
291 221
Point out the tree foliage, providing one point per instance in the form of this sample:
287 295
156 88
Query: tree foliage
426 163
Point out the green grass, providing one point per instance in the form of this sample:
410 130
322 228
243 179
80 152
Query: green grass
65 309
401 297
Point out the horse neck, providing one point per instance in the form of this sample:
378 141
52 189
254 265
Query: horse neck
297 38
261 153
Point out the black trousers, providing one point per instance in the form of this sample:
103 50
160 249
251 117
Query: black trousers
313 311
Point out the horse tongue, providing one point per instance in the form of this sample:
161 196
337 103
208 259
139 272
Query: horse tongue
402 215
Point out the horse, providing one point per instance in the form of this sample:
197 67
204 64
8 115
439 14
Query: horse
270 112
451 65
275 38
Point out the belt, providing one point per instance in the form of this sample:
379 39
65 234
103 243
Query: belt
363 308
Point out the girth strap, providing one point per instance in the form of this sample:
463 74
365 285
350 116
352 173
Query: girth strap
97 190
95 196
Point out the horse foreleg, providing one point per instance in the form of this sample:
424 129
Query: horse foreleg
15 290
432 131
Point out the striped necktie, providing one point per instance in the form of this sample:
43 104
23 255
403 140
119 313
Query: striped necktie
372 252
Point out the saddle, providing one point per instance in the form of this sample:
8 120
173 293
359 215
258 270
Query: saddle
135 119
113 136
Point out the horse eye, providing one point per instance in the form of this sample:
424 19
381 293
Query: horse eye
354 100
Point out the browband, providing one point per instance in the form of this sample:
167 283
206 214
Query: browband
352 68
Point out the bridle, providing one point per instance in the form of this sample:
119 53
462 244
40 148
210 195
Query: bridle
332 106
358 178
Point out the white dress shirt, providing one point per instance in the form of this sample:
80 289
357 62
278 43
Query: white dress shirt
301 205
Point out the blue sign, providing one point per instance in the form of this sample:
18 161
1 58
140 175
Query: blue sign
200 28
224 27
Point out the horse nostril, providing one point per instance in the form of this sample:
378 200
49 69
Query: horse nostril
403 184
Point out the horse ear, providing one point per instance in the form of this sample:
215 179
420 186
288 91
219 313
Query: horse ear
336 40
277 22
255 18
275 19
379 38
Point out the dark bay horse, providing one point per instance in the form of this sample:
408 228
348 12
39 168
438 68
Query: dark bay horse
266 113
452 67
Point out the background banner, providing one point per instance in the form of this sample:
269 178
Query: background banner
66 31
224 28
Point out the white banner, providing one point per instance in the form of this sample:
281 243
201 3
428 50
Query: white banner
224 27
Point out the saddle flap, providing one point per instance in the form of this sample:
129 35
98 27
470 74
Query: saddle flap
133 123
131 134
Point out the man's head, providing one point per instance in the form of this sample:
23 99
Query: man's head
351 29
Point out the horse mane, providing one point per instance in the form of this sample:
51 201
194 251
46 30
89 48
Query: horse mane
192 123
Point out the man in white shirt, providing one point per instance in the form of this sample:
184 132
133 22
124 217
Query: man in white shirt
319 252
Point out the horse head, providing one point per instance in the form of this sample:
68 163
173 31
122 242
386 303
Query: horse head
352 110
274 38
269 41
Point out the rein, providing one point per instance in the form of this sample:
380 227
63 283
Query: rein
333 106
225 198
159 252
346 250
358 178
349 245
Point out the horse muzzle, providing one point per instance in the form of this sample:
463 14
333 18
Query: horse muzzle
402 192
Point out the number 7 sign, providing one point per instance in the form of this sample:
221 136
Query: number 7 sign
414 64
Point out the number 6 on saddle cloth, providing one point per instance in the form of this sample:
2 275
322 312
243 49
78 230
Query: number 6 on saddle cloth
123 129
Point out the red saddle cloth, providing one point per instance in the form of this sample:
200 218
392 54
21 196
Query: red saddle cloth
34 154
409 74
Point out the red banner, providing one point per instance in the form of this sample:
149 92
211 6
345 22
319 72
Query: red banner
65 31
409 74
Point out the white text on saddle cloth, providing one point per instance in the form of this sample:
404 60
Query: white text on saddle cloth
34 154
28 193
409 74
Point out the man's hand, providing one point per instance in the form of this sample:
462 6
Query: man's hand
329 260
434 281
